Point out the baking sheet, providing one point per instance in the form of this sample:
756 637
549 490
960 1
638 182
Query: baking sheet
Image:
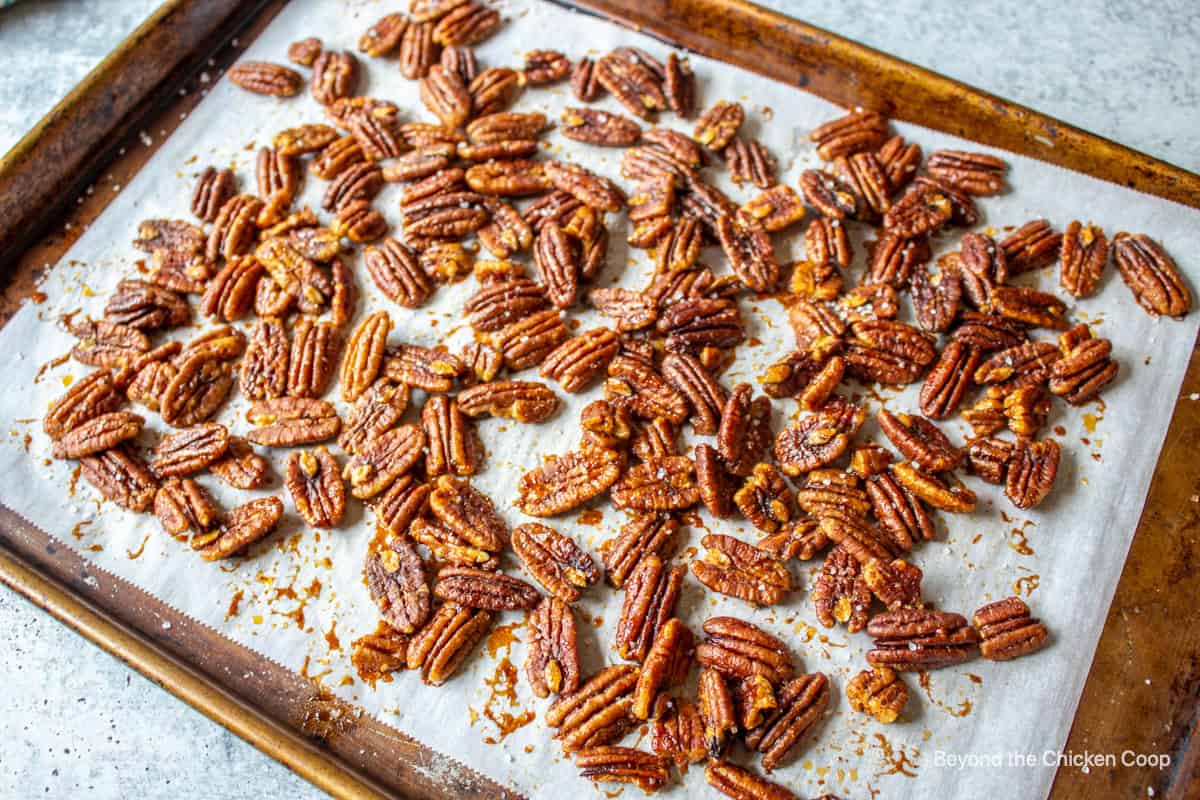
299 600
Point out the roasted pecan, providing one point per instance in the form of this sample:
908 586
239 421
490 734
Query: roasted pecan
184 508
651 593
1082 258
745 429
716 486
557 260
554 560
106 344
466 24
856 132
919 440
716 711
634 382
819 438
364 355
98 434
190 450
705 396
445 545
469 513
648 771
235 227
264 77
277 172
196 391
738 783
922 209
800 539
552 663
974 173
896 583
858 537
900 160
1085 368
632 82
312 359
814 280
478 588
497 304
1028 306
719 124
831 493
812 322
578 360
869 301
912 640
801 705
527 342
361 181
454 447
1008 631
418 51
647 163
692 325
988 457
315 482
289 421
936 300
378 462
841 594
1151 275
879 692
398 507
376 655
443 644
643 536
765 499
334 76
230 294
666 664
446 96
430 161
886 351
655 439
360 223
245 525
597 712
739 569
384 36
302 140
944 494
432 10
589 188
119 474
1032 246
660 484
631 310
678 732
1032 469
775 209
750 252
749 160
213 188
144 306
523 401
431 369
241 467
864 175
901 515
495 89
507 233
949 379
599 127
1027 364
738 650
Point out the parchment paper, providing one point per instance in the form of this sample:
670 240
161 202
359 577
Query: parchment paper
301 596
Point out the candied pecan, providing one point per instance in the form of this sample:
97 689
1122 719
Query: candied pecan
483 363
240 467
506 126
1007 630
264 77
479 588
825 243
334 76
384 36
213 188
679 248
879 692
497 304
840 593
583 81
554 560
754 697
399 507
716 486
819 438
775 209
749 160
364 355
949 379
245 525
643 536
801 705
376 655
738 650
694 324
495 89
445 545
745 429
912 640
552 662
1082 258
302 140
557 261
1151 275
631 310
190 450
512 178
651 593
678 732
314 480
833 493
289 421
858 537
1084 369
921 210
654 439
869 301
896 583
1031 471
739 569
424 162
230 294
716 711
446 96
523 401
647 771
589 188
529 341
936 300
765 499
460 60
894 260
453 444
738 783
432 10
277 172
646 163
1025 411
1027 364
313 357
597 712
814 280
937 492
634 382
886 351
544 67
360 223
812 322
144 306
371 417
751 255
919 440
974 173
378 462
666 664
418 51
440 647
660 484
599 127
856 132
119 474
832 198
507 232
901 515
106 344
632 82
361 181
988 457
1032 246
343 297
865 177
719 124
576 361
196 391
98 434
467 512
900 160
679 86
431 369
184 507
705 396
466 24
800 539
1028 306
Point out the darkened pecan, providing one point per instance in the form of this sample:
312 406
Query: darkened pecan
597 712
431 369
856 132
719 124
213 188
190 450
98 434
453 445
651 593
1027 364
1031 471
1151 275
840 594
900 160
144 306
466 24
886 351
949 379
864 175
361 181
988 458
527 342
583 81
751 255
632 82
921 210
692 325
289 421
643 536
184 508
800 707
384 36
765 499
1032 246
745 429
314 480
313 357
447 546
919 440
666 665
660 484
738 650
264 77
749 160
739 569
974 173
1082 258
240 467
716 486
705 396
911 640
901 515
945 494
245 525
377 655
1007 630
334 76
443 644
479 588
635 383
879 692
819 438
398 507
552 662
557 260
554 560
716 711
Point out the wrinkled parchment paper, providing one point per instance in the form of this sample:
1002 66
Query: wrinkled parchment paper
299 595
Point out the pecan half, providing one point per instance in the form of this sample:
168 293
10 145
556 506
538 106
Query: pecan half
678 732
719 124
245 525
947 496
818 439
288 421
469 513
923 209
364 355
858 131
523 401
900 160
912 640
716 486
479 588
738 783
750 252
144 306
554 560
445 545
428 368
578 360
449 215
264 77
705 396
840 594
635 383
527 342
749 160
1085 368
745 430
893 260
184 508
739 569
313 357
597 712
693 325
566 482
453 446
1008 631
190 450
377 655
948 379
446 96
647 771
1151 275
660 484
98 434
299 141
651 593
886 351
497 304
919 440
467 24
120 475
775 209
1027 364
643 536
1082 258
418 51
801 539
583 81
441 647
1031 246
1031 471
879 692
334 76
384 36
632 82
599 127
378 462
495 89
977 174
240 467
988 458
765 499
666 664
556 258
738 650
398 507
800 706
213 188
314 480
716 711
197 390
901 515
552 663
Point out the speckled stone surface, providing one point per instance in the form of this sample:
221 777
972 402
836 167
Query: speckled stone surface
75 720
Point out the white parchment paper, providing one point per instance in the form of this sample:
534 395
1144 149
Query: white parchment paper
300 594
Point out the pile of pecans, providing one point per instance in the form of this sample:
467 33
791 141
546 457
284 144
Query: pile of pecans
813 488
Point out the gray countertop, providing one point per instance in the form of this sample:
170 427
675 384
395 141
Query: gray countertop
74 719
